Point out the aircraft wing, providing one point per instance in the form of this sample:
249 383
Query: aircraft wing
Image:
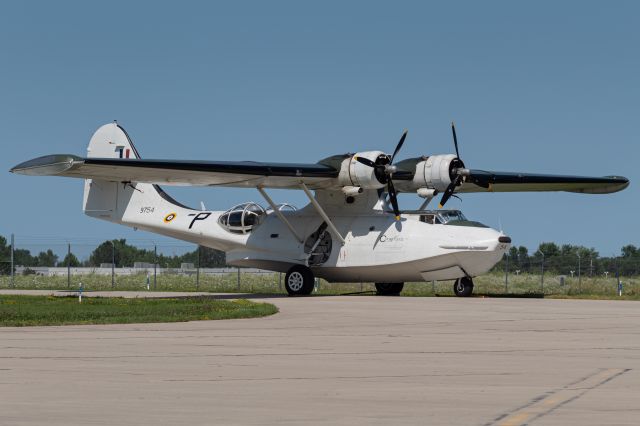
488 181
172 172
249 174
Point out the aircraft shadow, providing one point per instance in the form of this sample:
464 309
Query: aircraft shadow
512 295
231 296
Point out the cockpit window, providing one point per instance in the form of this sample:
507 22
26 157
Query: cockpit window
452 215
243 218
447 217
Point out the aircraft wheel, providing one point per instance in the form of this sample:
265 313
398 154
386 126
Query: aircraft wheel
299 281
389 289
463 287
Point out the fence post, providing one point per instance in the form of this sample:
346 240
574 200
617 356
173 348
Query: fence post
68 265
113 265
13 266
542 274
155 265
238 279
198 270
506 274
579 277
618 276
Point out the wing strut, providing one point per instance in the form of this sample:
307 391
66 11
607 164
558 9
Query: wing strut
278 213
321 212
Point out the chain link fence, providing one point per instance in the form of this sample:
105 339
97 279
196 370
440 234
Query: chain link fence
37 264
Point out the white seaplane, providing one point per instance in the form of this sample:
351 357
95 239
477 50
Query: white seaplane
352 230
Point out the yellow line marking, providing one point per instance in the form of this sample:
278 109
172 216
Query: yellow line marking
516 419
560 397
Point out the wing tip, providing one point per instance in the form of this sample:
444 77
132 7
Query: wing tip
616 184
46 165
620 181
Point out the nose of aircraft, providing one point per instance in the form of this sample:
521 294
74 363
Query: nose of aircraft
486 250
499 243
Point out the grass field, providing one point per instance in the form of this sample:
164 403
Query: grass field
49 310
271 283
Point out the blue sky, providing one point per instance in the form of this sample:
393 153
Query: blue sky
548 87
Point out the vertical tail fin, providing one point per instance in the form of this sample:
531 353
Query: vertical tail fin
111 141
115 201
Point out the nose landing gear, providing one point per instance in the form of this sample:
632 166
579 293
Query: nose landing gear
463 287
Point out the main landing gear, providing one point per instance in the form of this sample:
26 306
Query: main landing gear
389 289
299 281
463 287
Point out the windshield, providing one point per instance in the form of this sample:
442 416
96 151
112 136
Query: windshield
447 217
451 215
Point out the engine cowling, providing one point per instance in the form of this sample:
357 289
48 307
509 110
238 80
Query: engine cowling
437 171
356 174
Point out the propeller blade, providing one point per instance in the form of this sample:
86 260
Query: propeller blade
365 161
402 138
388 170
455 138
393 198
449 191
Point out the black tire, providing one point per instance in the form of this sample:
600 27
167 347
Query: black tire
299 281
389 289
463 287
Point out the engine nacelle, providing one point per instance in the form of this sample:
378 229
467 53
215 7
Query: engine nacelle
356 174
436 171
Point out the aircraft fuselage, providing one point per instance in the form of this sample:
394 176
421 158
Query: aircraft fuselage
376 246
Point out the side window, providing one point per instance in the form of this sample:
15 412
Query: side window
427 218
242 219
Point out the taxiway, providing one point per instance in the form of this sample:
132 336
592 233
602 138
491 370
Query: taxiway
337 360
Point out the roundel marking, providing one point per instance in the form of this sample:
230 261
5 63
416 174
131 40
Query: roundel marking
168 218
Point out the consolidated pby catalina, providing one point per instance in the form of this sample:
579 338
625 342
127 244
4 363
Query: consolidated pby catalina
352 230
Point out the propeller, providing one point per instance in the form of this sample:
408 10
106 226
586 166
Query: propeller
387 170
457 167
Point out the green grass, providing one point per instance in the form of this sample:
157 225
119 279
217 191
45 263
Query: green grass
50 310
524 285
596 287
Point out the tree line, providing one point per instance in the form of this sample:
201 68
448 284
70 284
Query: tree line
565 258
125 255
